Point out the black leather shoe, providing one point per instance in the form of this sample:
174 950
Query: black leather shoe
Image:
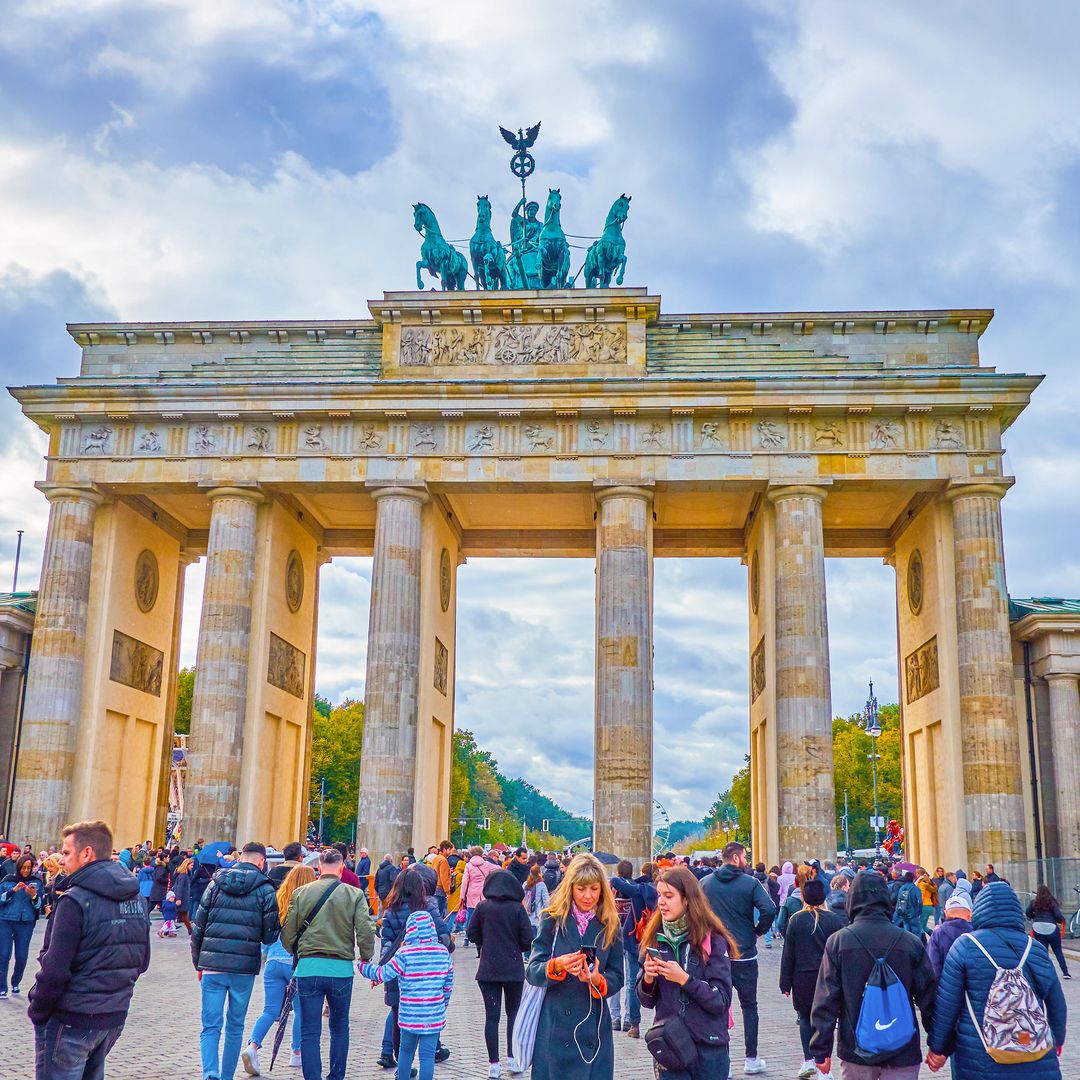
387 1061
442 1054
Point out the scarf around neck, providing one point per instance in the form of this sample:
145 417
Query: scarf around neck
582 918
675 933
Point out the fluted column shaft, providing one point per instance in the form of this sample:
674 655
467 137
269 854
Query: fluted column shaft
990 738
1065 735
622 805
219 697
392 687
54 688
806 808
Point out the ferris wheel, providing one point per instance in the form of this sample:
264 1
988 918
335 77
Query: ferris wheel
661 827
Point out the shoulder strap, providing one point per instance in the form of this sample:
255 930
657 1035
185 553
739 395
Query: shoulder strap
978 945
310 917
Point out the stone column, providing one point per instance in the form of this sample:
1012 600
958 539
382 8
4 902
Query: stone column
219 698
806 807
990 737
392 687
622 802
54 690
1065 736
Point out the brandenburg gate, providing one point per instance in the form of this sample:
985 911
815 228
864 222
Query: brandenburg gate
546 423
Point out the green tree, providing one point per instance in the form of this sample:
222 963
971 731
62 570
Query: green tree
185 688
852 769
336 739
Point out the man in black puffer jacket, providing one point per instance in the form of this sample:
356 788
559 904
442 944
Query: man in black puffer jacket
97 944
237 915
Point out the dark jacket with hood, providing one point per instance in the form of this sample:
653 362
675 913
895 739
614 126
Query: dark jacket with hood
707 992
552 875
385 877
997 923
237 915
742 904
800 962
836 901
849 957
501 927
160 887
97 944
641 893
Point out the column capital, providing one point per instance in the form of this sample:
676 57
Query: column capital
777 492
1063 676
604 490
989 489
231 491
83 492
378 490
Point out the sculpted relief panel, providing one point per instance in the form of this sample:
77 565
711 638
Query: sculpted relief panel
921 675
136 664
285 668
453 346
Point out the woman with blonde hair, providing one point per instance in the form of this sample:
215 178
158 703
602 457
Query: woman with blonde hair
181 887
686 955
277 972
578 957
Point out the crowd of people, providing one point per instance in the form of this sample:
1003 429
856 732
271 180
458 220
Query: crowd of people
569 949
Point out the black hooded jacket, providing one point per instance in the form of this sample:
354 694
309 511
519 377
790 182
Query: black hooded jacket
742 904
237 915
501 927
97 944
849 957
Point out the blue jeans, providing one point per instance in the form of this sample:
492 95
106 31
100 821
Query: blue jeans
410 1040
215 990
276 977
633 1006
17 934
388 1035
66 1053
311 991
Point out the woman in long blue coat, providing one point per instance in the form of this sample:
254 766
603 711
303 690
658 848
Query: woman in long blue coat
573 1034
997 923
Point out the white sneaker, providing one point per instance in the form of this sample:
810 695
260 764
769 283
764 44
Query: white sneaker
809 1069
294 1060
513 1068
494 1071
754 1066
250 1057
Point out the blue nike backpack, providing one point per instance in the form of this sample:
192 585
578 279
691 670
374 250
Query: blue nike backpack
886 1021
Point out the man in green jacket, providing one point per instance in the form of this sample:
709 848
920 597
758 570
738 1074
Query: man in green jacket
326 952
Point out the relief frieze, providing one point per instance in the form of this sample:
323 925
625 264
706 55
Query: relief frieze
454 346
136 664
285 667
921 675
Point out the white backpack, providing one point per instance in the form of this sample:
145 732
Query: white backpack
1014 1027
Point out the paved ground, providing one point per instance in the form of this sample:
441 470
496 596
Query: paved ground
162 1035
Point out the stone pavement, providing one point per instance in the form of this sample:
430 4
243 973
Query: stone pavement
162 1035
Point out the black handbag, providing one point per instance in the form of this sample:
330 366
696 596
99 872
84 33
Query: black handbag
669 1040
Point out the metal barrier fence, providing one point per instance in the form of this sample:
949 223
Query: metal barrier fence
1061 875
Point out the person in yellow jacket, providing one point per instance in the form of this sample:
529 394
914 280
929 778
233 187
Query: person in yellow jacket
929 891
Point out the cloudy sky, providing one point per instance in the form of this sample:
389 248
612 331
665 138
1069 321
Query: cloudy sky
175 159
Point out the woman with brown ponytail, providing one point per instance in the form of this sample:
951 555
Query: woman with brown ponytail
686 973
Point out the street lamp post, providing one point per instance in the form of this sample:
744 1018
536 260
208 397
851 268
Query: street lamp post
462 822
873 729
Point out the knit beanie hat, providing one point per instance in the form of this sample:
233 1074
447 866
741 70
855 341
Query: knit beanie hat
813 892
959 901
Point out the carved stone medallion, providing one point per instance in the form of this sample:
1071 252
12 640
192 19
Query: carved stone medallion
915 582
294 580
755 583
444 579
146 580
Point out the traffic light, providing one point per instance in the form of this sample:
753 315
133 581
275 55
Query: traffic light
544 826
487 824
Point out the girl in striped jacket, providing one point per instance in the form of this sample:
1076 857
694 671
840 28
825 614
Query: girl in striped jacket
425 975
